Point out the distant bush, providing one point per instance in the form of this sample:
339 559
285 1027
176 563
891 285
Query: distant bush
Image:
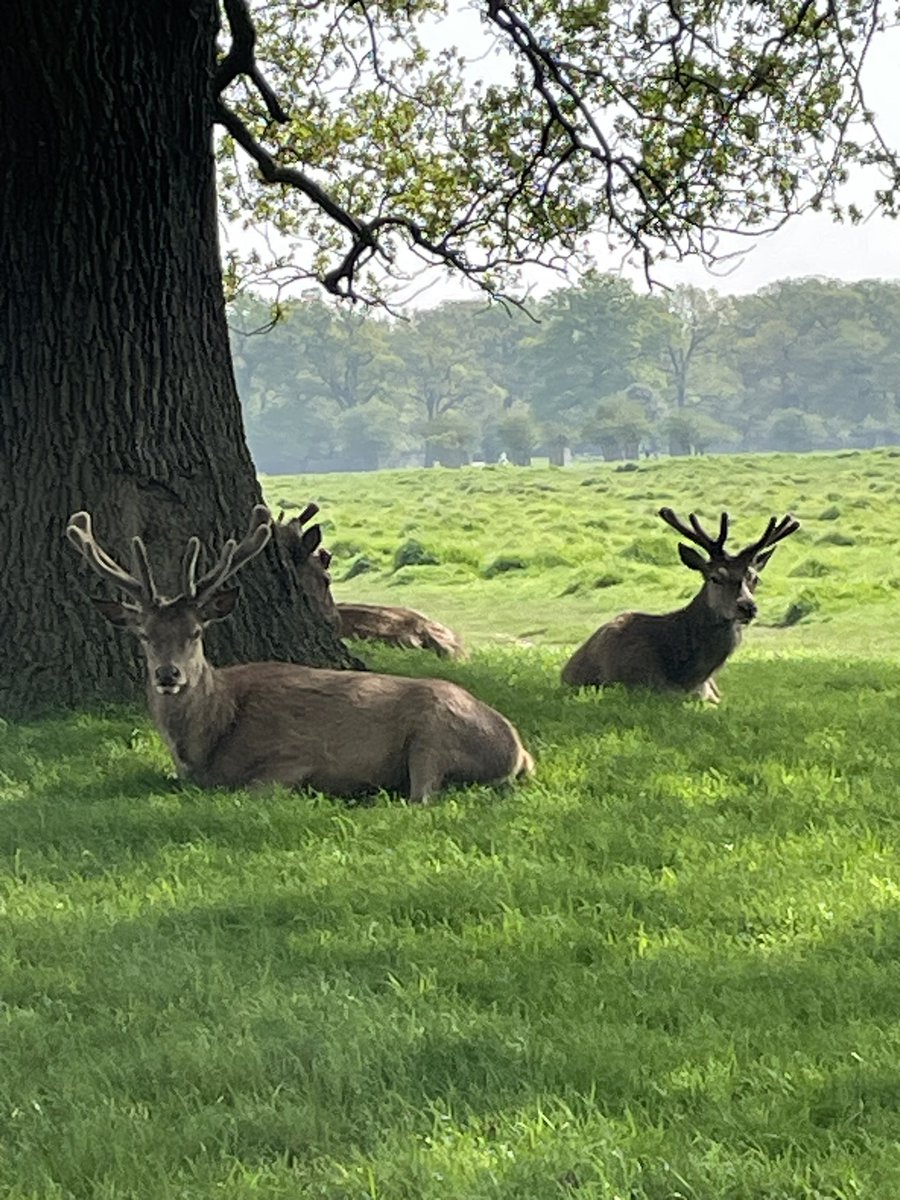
551 558
345 549
609 579
359 567
803 606
836 538
812 568
499 566
830 514
413 554
628 466
657 551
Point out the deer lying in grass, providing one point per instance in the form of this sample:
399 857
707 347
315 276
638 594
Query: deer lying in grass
395 626
681 650
342 732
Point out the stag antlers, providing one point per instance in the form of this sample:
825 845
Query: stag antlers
140 585
775 532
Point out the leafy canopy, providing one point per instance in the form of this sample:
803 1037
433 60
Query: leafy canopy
664 124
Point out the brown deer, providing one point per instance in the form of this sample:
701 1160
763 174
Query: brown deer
681 650
395 626
341 732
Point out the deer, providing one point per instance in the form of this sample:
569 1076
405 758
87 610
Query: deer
394 626
682 650
340 732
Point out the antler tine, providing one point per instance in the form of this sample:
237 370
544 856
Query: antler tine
310 511
142 569
189 568
235 554
713 545
695 531
775 532
80 533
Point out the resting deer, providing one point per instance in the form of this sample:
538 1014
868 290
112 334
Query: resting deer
342 732
402 627
681 650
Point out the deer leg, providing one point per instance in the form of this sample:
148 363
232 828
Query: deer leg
425 776
708 691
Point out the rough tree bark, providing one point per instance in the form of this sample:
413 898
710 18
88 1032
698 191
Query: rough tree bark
116 387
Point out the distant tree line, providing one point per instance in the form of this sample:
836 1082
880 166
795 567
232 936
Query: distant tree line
597 369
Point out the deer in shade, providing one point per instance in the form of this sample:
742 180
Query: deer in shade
387 623
682 650
341 732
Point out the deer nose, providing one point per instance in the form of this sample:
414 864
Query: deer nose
167 675
746 609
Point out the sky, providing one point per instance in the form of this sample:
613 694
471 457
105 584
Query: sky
811 244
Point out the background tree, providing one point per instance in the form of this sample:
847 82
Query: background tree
117 392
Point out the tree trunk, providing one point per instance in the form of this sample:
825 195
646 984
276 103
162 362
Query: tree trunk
116 387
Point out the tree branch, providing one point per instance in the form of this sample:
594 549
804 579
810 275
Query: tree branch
241 59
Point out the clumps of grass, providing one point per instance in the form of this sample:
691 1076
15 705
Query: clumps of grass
628 466
802 606
830 514
811 568
358 567
657 551
589 481
413 554
345 549
551 558
502 564
583 583
836 538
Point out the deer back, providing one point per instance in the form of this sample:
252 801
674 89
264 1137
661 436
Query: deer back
396 626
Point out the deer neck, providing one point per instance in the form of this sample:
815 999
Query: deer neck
193 722
704 639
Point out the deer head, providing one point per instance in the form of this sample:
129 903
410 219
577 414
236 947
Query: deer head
170 630
730 579
312 562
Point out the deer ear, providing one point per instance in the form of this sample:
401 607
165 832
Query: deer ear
311 540
761 559
325 558
123 616
219 605
692 558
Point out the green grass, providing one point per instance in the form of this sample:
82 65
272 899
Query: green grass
668 967
586 543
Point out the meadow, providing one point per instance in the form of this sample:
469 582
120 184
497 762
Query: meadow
666 968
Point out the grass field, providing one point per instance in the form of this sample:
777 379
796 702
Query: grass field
545 555
666 968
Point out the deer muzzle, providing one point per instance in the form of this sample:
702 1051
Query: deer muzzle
168 679
746 611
